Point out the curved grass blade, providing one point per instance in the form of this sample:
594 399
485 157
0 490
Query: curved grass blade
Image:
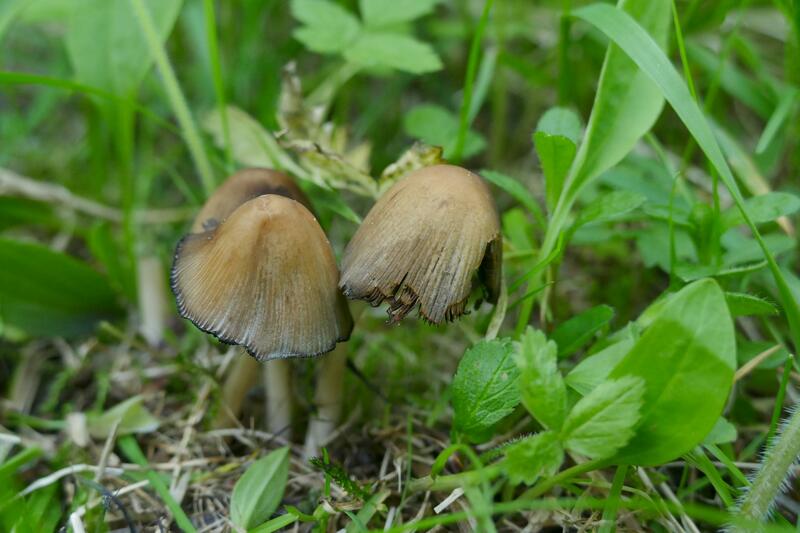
641 48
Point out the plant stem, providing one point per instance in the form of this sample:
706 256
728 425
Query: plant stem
327 400
452 481
175 96
569 473
775 468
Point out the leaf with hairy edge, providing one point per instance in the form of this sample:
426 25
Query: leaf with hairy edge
533 457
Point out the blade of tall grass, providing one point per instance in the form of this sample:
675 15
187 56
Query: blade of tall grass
469 82
176 98
216 73
641 48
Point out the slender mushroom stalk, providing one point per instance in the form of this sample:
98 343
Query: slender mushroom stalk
278 385
264 278
422 243
244 371
328 401
152 299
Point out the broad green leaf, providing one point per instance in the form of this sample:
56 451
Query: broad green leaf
627 102
48 293
393 50
611 206
107 48
387 12
594 370
484 389
742 304
764 208
20 211
603 421
329 28
556 154
541 385
533 457
259 491
580 329
640 47
435 125
687 357
132 416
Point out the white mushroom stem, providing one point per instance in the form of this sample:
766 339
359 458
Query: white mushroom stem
277 382
242 375
152 299
327 400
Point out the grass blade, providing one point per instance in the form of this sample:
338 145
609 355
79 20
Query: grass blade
641 48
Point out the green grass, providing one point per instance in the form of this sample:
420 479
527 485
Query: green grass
649 226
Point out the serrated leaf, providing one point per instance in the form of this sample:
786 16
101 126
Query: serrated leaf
687 357
603 421
742 304
533 457
610 206
484 389
393 50
541 385
580 329
132 415
259 491
329 28
107 48
387 12
437 126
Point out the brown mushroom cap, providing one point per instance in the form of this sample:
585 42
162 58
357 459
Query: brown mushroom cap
242 186
422 242
265 278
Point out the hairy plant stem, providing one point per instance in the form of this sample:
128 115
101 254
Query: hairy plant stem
774 472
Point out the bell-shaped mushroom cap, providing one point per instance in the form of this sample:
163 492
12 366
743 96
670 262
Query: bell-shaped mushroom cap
422 242
266 278
242 186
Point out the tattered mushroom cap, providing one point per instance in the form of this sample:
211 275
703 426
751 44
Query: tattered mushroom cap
266 278
241 187
422 242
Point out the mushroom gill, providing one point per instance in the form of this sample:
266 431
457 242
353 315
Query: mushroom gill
421 244
265 278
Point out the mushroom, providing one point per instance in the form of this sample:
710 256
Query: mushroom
259 272
421 244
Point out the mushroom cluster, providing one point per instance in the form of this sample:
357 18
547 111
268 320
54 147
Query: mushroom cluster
258 271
